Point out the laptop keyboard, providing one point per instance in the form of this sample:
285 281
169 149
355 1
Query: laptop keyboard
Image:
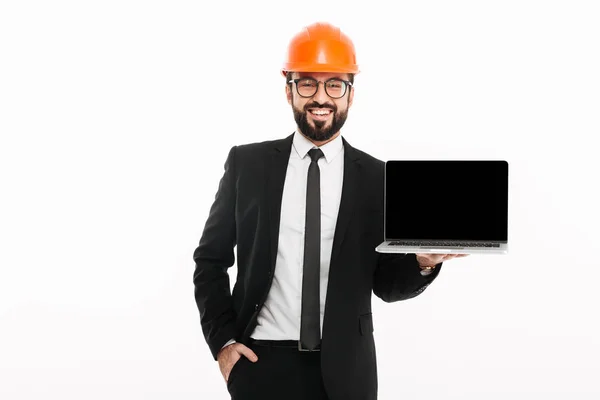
442 243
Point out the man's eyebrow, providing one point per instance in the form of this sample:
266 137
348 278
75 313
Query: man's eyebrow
300 76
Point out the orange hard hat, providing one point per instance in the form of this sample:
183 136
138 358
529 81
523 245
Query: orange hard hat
320 47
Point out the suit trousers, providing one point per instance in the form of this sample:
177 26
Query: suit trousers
279 373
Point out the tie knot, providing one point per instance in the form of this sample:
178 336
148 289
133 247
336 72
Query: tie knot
315 154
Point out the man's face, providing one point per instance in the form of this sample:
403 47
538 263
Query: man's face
319 117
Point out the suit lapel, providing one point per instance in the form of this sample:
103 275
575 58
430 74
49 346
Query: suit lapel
275 171
349 193
339 278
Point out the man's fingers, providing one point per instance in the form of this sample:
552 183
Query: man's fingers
246 351
457 256
430 258
434 259
451 256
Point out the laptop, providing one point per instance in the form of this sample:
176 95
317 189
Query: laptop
446 206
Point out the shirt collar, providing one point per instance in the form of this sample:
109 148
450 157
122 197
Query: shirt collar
330 149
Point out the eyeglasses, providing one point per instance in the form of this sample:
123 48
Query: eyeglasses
334 87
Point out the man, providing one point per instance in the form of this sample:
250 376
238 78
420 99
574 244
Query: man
306 213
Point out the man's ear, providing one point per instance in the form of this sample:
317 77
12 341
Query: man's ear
351 96
288 94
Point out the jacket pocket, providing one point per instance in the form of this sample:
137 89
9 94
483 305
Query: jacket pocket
365 323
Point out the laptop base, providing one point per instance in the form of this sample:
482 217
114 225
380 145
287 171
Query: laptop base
385 247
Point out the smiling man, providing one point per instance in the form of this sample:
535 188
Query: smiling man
306 213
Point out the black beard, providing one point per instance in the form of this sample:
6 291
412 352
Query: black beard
318 133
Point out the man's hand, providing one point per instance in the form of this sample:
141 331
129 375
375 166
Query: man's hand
429 260
228 356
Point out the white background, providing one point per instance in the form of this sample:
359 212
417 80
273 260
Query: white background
115 121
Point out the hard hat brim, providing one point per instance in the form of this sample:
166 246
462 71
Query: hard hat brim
350 69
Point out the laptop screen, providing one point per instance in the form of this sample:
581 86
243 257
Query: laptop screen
446 200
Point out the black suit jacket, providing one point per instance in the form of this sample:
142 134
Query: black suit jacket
246 213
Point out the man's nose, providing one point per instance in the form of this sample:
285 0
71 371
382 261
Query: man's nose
321 97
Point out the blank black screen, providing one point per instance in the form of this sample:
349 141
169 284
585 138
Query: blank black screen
447 200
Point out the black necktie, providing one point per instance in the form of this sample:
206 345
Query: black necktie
310 331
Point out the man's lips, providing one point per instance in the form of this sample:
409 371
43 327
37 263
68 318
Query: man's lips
320 114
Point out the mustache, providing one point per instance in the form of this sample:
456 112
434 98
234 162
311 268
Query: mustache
322 106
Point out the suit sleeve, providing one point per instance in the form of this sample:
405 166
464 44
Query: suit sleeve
213 256
398 277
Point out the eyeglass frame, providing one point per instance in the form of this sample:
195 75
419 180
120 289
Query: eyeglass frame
348 83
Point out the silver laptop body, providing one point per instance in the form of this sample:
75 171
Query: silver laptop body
446 206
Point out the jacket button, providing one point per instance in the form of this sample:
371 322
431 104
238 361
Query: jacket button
256 307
